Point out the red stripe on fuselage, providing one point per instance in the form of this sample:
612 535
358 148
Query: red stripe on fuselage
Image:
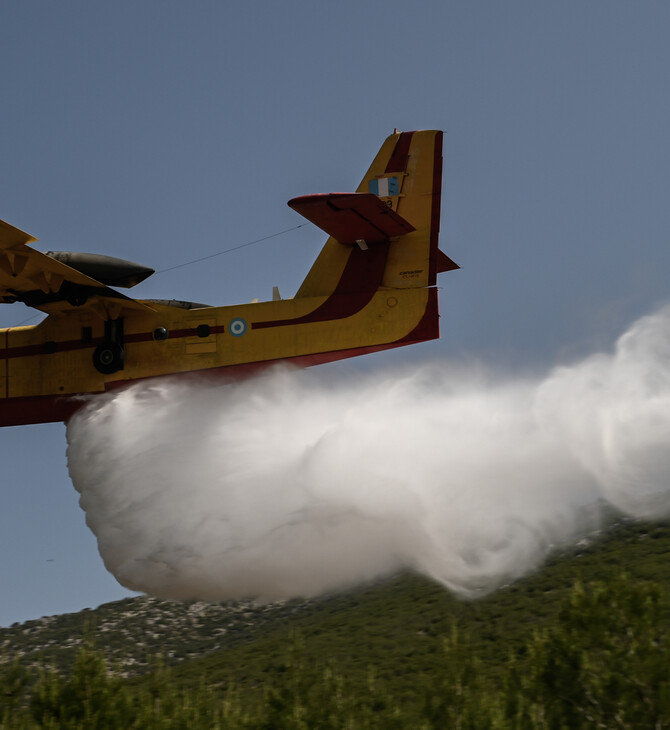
360 279
69 345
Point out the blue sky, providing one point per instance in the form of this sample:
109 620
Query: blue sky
165 131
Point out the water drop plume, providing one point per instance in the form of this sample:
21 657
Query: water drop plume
299 482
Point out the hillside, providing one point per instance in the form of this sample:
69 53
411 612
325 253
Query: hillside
583 643
133 631
399 617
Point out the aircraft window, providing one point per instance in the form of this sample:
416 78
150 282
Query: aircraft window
49 347
160 333
203 330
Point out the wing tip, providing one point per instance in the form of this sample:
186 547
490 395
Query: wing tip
11 236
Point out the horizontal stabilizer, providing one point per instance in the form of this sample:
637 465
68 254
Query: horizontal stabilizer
352 217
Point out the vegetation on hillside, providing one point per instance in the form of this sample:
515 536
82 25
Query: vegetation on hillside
583 644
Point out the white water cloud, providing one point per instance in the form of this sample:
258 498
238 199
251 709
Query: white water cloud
297 482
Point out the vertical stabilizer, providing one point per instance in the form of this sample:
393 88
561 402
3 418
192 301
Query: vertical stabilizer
406 176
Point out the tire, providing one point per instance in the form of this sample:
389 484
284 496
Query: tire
108 358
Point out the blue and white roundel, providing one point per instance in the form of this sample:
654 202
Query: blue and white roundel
237 327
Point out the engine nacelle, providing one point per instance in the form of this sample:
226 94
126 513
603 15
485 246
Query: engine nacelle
105 269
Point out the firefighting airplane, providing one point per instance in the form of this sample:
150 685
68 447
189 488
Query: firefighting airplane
372 287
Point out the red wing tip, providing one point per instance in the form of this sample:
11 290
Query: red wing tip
318 197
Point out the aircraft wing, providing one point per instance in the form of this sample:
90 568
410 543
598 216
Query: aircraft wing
350 217
40 281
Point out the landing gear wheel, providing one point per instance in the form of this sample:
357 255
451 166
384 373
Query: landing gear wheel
108 358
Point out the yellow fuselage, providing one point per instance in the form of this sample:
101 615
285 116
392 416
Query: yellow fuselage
41 366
